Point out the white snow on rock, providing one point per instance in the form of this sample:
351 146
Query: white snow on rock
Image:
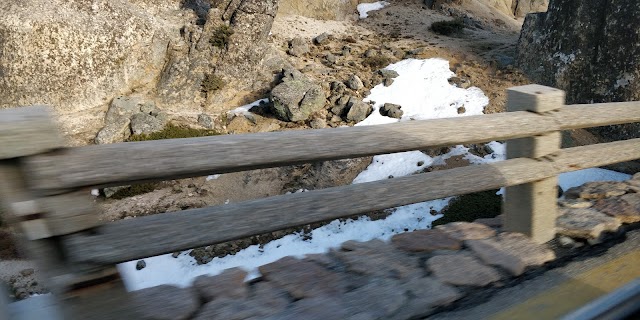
245 109
423 92
365 8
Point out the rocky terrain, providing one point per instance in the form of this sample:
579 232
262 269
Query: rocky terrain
117 68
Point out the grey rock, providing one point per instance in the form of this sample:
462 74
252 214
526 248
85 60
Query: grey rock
143 123
387 82
110 191
166 302
298 47
425 241
346 51
575 203
370 53
331 58
141 265
123 107
301 278
268 296
599 190
316 308
462 270
585 223
354 82
385 73
116 131
378 299
321 39
511 251
338 87
376 258
149 108
296 99
229 284
459 82
205 121
358 110
230 309
467 230
391 110
625 208
491 222
425 295
318 123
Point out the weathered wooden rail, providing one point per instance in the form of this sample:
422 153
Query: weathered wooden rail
44 184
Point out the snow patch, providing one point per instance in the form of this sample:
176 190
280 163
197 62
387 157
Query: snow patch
242 110
365 8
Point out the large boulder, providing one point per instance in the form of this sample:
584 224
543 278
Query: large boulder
297 97
188 56
589 49
78 55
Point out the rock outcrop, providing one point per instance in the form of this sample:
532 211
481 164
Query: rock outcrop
297 97
589 49
188 56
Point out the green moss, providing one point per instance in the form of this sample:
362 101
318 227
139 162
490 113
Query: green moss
173 132
212 83
376 62
220 36
447 27
469 207
135 190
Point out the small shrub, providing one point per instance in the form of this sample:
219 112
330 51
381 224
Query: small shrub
469 207
447 27
173 132
376 62
221 35
134 190
212 83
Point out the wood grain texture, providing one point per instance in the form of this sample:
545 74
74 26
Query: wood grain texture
169 232
126 163
26 131
597 114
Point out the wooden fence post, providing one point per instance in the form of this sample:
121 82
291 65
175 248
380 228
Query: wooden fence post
43 221
531 208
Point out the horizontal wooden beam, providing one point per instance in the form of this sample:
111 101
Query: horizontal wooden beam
597 114
126 163
169 232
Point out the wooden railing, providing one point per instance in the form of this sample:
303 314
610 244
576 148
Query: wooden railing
44 185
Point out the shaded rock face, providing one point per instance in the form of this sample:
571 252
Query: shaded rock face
589 49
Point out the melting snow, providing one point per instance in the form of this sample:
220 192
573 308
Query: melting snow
364 8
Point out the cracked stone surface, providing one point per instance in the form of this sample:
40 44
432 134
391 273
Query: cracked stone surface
626 208
467 230
511 251
585 223
462 270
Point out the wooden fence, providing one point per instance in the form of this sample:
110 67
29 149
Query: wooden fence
44 186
